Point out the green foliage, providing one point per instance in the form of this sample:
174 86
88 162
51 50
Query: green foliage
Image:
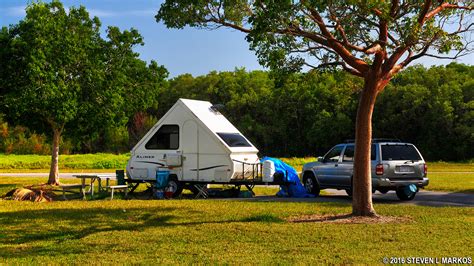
433 108
58 74
20 140
305 114
52 75
286 35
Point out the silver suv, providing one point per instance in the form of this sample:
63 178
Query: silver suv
395 166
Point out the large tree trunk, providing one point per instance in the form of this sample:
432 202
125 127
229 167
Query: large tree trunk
54 170
362 179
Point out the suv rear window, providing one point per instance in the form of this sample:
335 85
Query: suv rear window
234 140
399 152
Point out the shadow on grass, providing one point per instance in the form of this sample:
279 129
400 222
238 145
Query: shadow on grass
33 233
266 218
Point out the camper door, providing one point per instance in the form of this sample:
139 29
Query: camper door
190 150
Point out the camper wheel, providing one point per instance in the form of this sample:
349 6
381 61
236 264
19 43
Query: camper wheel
175 185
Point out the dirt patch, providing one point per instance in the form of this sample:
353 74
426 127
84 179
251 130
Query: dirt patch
347 219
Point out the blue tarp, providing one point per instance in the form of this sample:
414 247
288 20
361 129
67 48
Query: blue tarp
296 189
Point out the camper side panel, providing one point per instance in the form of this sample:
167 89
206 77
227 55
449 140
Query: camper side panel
150 156
209 161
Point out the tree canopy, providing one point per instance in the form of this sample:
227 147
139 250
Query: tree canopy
354 35
58 72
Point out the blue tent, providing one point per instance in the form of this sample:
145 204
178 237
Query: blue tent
296 189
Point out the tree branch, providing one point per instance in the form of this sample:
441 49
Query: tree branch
442 7
230 25
424 11
349 58
338 63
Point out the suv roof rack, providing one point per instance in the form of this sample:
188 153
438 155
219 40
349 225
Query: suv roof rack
375 140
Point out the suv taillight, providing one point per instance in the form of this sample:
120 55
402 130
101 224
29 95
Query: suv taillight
425 169
379 169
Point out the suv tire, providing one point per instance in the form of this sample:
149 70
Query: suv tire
310 184
349 190
404 194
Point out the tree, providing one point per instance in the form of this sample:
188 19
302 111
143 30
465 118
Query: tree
373 40
58 74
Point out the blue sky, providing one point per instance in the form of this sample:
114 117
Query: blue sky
189 50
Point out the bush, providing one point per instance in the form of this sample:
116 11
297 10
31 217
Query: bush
20 140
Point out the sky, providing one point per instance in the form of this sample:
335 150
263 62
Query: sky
194 51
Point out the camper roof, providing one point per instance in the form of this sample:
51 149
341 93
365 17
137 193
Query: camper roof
217 124
214 120
210 119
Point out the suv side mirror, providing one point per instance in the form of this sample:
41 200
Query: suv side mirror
320 159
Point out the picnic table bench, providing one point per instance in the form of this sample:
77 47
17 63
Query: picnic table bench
70 188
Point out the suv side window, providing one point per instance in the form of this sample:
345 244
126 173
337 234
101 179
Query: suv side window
348 154
372 152
334 154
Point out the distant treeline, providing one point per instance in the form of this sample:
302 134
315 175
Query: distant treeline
300 114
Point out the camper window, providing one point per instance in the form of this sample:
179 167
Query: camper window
166 138
234 140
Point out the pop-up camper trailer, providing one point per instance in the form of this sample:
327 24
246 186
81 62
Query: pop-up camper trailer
197 145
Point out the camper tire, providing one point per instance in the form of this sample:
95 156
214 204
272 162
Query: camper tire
176 186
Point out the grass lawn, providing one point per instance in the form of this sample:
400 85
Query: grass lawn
454 182
77 161
219 231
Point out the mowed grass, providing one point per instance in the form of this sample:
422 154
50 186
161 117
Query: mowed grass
219 231
76 161
18 163
222 232
453 182
450 167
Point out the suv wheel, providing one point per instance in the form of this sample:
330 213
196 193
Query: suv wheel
310 184
407 193
349 190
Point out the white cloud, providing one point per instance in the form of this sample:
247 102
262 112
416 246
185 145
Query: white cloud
101 13
19 11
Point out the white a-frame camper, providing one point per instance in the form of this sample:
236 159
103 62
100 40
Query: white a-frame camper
197 144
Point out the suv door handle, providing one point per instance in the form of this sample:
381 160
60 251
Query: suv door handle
336 165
